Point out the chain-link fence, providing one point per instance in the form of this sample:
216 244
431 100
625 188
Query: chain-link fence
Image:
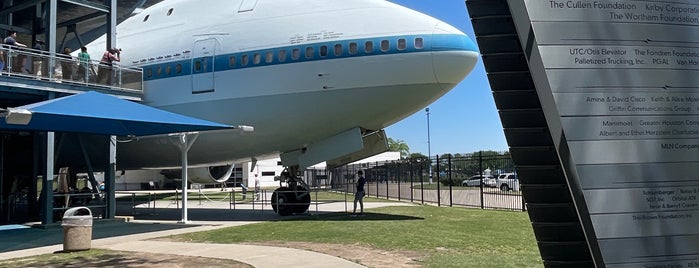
482 180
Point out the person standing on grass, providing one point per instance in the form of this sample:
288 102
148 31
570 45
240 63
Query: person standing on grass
359 195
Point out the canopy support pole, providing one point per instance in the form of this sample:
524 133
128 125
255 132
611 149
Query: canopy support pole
47 178
185 143
110 179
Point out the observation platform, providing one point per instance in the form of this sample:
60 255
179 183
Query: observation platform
30 76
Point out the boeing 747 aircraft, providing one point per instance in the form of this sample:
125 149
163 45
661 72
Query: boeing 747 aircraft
318 80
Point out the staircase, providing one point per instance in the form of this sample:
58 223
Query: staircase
545 190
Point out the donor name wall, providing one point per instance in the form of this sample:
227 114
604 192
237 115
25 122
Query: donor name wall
620 82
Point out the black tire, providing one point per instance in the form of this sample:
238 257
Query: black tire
303 200
504 187
282 201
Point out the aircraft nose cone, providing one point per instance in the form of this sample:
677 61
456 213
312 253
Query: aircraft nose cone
454 55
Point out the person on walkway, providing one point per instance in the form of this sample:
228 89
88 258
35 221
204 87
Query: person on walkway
11 43
105 68
39 66
12 40
84 65
2 61
67 64
359 195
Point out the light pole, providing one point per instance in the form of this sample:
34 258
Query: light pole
429 153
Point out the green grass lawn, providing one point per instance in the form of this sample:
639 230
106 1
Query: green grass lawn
451 237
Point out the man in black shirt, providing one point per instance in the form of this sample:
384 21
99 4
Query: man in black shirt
359 195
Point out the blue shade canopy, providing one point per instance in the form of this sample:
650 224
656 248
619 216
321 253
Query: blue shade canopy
97 113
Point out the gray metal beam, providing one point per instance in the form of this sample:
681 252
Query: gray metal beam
110 179
111 25
80 19
15 28
18 7
88 4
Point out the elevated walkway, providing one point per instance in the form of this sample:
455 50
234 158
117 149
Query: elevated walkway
30 76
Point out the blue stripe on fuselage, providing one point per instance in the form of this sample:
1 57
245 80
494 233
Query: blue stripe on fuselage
231 61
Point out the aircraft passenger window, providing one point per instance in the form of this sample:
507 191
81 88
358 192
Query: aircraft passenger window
269 57
169 12
178 68
282 55
385 45
295 54
149 73
401 44
245 60
353 48
309 52
197 66
323 51
231 61
368 46
168 70
146 18
419 43
256 58
338 49
159 70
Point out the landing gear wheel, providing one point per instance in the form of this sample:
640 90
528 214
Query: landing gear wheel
504 188
303 199
283 201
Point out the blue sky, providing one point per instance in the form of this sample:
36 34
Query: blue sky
465 119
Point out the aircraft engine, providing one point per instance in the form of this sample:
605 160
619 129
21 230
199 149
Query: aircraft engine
212 174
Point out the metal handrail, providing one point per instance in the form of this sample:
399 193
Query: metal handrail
37 64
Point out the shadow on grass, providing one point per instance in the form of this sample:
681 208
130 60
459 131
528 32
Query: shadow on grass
101 258
343 216
19 239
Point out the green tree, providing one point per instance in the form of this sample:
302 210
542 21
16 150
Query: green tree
399 146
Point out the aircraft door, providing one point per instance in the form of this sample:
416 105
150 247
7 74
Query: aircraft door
203 56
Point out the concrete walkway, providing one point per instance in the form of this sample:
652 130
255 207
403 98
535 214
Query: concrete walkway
257 256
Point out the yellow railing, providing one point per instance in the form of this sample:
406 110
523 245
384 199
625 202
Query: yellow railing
62 68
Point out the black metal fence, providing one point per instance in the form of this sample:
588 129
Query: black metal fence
440 180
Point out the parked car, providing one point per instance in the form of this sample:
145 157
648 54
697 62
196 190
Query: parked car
475 181
507 182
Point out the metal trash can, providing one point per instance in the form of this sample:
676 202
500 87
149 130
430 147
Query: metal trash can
77 229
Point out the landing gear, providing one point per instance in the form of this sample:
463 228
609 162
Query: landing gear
295 198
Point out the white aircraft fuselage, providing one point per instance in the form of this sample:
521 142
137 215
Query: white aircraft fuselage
298 71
